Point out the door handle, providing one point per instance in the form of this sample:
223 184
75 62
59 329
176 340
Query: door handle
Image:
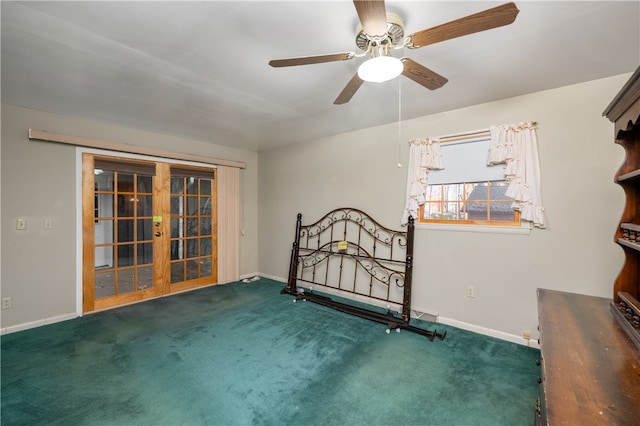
158 234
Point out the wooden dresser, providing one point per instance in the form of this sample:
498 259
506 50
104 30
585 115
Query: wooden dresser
590 346
590 366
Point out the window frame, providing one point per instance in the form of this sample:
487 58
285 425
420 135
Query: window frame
458 140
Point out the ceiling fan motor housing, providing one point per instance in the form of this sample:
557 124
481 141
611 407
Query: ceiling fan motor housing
394 36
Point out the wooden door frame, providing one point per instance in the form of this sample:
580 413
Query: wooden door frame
85 176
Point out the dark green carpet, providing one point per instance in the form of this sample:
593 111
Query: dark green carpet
243 354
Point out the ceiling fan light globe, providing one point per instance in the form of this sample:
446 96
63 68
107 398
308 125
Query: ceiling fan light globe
380 69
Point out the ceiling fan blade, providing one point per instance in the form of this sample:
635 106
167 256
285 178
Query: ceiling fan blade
373 16
349 90
307 60
481 21
422 75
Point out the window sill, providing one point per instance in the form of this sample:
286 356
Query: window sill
523 229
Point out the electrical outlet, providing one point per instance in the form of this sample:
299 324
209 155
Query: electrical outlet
526 335
6 302
470 291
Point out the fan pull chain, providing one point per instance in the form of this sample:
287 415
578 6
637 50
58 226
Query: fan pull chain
399 123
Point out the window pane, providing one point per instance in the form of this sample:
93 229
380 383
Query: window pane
478 201
478 210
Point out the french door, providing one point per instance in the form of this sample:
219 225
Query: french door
149 229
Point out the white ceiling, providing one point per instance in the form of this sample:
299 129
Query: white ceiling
200 69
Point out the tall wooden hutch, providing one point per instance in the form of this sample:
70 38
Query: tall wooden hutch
624 112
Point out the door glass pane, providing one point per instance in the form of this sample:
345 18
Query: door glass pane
145 254
192 247
205 186
205 267
125 182
125 255
125 231
192 185
205 206
103 257
177 185
104 284
125 281
177 205
192 227
145 229
205 226
192 206
145 184
125 205
205 247
192 269
177 272
145 205
176 227
177 249
145 277
103 180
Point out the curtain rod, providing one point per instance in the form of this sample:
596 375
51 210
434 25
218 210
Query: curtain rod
43 135
466 135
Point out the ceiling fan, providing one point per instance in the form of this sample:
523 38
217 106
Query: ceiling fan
379 33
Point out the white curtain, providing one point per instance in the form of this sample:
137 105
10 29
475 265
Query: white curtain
516 146
424 155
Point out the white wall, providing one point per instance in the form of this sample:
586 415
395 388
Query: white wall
575 253
38 180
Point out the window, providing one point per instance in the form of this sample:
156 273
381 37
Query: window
476 203
467 191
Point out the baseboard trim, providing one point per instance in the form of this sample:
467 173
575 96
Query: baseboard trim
489 332
271 277
38 323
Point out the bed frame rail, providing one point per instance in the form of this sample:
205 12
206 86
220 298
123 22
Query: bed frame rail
348 254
